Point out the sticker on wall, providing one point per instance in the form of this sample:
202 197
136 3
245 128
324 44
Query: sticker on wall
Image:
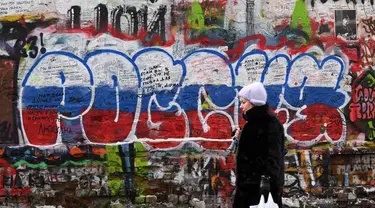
345 24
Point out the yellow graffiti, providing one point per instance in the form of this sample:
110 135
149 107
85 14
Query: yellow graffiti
30 17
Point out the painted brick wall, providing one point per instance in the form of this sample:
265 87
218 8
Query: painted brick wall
132 103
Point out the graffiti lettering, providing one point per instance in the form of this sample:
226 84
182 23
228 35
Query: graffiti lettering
363 97
74 20
369 25
367 53
151 77
43 129
362 111
138 19
22 46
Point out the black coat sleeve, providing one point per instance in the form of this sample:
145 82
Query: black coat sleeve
275 150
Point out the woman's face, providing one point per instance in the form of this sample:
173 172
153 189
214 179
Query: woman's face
245 104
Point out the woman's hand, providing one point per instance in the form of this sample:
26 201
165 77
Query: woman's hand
237 134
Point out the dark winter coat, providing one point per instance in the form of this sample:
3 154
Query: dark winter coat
260 151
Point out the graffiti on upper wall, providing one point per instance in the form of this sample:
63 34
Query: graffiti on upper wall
132 94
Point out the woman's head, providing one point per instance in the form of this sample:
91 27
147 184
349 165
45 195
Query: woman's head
245 104
252 95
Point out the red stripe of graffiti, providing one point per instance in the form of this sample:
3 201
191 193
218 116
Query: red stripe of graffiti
319 118
171 126
40 132
100 126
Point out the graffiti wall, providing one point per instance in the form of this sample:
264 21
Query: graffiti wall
133 102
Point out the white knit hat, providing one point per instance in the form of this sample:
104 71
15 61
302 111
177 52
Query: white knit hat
255 93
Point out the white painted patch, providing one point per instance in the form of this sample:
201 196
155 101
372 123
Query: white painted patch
10 7
307 67
47 72
276 74
158 72
207 69
106 41
250 69
106 65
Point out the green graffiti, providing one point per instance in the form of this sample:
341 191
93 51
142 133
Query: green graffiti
141 155
115 186
142 166
196 17
371 82
114 163
371 131
30 165
114 166
83 163
300 15
261 14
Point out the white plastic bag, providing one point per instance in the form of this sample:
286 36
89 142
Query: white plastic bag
270 203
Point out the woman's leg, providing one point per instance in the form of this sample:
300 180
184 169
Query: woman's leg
243 198
277 193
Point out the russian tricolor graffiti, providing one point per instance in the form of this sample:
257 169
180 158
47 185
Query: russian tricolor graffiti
110 96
